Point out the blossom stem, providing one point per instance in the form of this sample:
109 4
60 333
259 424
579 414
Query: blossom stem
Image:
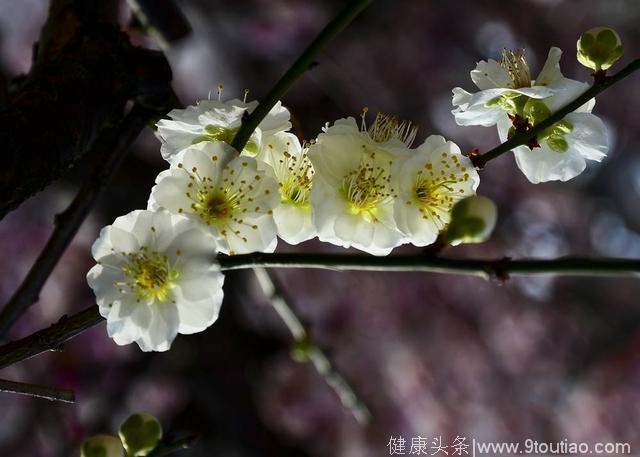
300 66
274 291
110 152
54 336
524 137
35 390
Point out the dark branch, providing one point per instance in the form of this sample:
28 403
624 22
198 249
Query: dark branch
84 72
52 337
168 448
109 151
573 266
35 390
299 67
49 338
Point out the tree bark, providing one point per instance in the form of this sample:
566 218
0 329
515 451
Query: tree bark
84 72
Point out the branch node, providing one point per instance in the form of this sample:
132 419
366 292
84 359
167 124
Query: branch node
498 270
476 158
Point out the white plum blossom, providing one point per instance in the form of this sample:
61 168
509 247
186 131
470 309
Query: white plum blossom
510 99
352 195
429 183
215 120
293 170
223 191
506 86
563 149
156 276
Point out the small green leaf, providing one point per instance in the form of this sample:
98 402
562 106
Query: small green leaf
140 434
102 446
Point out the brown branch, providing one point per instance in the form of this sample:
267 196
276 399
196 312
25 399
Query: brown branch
50 338
84 72
110 152
35 390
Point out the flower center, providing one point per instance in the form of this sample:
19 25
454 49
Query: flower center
386 127
294 175
226 135
149 275
365 188
217 206
434 193
515 64
214 205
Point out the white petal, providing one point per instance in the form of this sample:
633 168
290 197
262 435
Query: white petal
161 331
589 136
551 70
489 75
276 121
294 223
565 91
544 164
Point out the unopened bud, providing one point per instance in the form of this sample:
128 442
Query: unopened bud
472 220
599 48
140 434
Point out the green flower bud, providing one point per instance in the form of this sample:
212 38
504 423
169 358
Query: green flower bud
472 220
102 446
599 48
140 434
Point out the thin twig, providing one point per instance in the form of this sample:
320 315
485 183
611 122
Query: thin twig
35 390
168 448
299 67
51 338
275 293
162 19
573 266
522 138
110 154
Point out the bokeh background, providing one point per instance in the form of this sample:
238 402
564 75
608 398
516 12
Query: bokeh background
431 355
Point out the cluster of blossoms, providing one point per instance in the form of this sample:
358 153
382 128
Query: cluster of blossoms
355 185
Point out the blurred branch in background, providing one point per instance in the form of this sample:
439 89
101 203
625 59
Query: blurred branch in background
34 390
109 152
298 68
168 448
84 72
162 19
304 348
